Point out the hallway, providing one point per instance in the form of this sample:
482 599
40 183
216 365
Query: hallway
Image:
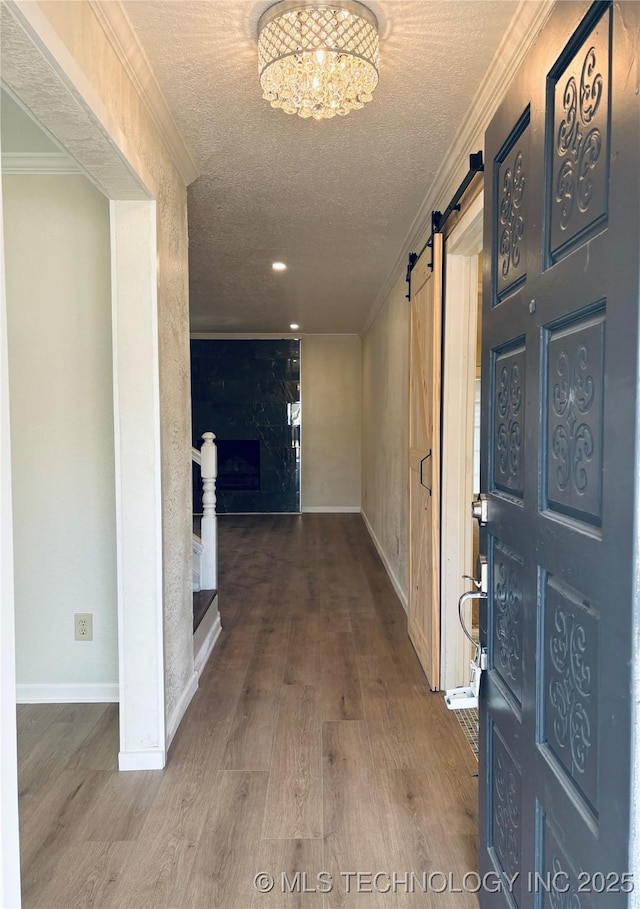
312 745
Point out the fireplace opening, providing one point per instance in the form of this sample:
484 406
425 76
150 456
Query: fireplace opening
239 464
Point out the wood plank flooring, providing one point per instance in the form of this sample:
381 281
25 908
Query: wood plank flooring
313 747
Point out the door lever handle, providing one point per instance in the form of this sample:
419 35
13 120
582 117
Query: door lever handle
470 595
480 583
465 697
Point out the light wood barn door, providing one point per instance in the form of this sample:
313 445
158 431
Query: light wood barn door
424 462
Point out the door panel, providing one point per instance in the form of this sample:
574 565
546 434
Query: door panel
560 366
578 104
424 463
508 374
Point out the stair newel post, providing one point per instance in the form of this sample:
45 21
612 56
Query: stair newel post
209 527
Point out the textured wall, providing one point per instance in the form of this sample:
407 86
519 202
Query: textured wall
175 416
385 430
87 43
59 317
331 421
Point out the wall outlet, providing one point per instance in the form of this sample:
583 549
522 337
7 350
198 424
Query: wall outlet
84 626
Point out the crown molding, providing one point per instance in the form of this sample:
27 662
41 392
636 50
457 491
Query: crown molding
39 163
124 40
523 30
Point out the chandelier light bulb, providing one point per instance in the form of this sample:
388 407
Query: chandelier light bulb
317 59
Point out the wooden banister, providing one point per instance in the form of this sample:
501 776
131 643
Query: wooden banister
209 527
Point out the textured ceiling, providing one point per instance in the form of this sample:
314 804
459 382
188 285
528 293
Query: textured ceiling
334 199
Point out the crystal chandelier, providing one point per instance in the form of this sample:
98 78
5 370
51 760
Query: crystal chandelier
318 59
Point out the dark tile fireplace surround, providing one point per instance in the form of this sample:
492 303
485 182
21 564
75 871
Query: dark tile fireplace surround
243 391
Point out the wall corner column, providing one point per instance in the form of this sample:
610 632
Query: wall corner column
138 485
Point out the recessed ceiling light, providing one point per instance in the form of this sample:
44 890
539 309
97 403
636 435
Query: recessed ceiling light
294 326
279 266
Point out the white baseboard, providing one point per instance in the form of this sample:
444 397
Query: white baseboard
68 693
402 595
331 509
179 710
204 643
154 759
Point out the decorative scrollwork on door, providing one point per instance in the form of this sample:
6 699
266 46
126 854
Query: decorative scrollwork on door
574 394
578 142
564 895
578 133
511 215
570 688
572 439
507 636
506 814
509 426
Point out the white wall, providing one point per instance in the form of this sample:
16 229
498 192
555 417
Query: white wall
19 132
331 378
385 433
9 822
60 378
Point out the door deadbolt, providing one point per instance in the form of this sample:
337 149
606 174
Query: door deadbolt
480 509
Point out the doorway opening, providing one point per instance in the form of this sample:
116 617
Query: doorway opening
60 382
469 719
49 93
461 445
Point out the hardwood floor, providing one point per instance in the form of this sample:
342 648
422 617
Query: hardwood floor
312 745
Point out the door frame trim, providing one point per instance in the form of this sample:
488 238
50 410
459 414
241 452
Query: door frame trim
462 247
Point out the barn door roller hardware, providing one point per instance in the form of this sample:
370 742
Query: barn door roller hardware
439 219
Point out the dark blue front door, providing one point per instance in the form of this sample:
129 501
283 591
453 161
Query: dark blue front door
560 378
